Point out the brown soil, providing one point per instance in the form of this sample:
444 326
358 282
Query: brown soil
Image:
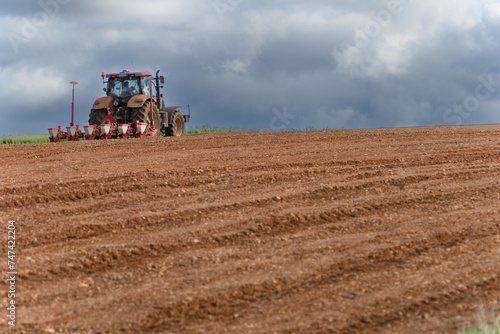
366 231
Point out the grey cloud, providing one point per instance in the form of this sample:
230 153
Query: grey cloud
259 57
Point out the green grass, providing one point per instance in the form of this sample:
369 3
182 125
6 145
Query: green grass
206 129
36 139
484 328
31 139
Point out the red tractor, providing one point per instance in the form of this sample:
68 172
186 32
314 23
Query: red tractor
133 108
134 98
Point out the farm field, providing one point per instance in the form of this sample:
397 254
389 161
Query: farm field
355 231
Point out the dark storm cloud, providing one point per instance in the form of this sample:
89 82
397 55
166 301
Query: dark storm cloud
255 65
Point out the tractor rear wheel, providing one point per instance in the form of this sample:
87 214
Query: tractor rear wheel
96 116
176 127
143 115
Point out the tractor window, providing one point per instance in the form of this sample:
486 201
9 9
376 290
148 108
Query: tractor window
145 86
123 88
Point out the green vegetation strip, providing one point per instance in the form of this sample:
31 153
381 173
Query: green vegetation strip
35 139
206 129
484 328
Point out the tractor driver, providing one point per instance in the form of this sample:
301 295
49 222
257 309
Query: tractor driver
126 90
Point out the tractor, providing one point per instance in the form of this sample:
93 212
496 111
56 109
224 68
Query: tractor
134 97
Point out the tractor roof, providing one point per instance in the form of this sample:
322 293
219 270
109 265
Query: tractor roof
127 74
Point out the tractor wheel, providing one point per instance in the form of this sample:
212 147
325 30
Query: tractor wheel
96 116
143 115
176 127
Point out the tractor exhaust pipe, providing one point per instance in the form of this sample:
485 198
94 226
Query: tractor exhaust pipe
159 80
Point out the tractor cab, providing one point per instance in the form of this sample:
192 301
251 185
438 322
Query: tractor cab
124 85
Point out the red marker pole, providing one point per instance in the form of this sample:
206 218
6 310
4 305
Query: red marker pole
73 102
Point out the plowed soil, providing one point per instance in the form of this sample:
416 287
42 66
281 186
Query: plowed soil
363 231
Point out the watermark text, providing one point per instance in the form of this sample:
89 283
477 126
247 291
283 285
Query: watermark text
12 272
30 28
460 112
224 6
372 29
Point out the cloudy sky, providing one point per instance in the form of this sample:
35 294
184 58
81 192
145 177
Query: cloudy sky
274 64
